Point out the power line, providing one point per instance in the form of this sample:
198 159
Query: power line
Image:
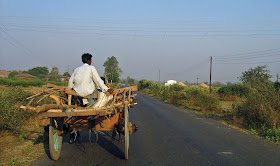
24 48
156 29
251 57
251 63
152 35
242 54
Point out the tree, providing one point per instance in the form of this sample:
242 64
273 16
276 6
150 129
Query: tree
229 83
255 76
130 80
54 71
67 74
112 69
39 71
217 84
13 74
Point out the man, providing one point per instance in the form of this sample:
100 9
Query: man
82 81
84 77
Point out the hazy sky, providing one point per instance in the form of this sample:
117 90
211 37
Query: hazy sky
175 37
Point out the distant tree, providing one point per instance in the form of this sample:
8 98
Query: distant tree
217 84
66 74
186 83
53 78
13 74
206 83
130 80
112 69
54 71
255 76
39 71
229 83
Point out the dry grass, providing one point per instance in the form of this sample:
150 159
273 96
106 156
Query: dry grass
31 88
22 149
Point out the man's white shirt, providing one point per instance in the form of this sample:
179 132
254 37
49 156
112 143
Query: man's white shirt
83 79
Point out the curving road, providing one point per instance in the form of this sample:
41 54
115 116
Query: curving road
169 135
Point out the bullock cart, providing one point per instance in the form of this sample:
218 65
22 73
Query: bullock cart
69 113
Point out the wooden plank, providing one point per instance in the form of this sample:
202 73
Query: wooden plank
133 88
117 91
55 87
83 112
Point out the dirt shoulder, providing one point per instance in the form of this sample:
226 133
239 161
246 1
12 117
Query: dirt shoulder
22 149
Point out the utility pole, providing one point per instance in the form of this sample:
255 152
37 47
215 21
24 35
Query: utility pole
277 77
210 72
159 76
196 81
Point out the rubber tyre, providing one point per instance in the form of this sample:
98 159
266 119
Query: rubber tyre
126 131
55 141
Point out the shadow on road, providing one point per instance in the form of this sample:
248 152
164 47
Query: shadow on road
109 146
82 143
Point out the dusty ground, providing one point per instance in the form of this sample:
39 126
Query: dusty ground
22 149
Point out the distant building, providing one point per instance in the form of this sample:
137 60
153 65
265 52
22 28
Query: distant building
170 82
64 78
4 74
57 77
25 76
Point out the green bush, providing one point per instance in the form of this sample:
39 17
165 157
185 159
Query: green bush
22 82
59 83
261 107
240 90
271 134
181 95
205 101
12 118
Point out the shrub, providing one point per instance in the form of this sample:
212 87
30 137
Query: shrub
271 134
181 95
240 90
206 101
12 118
22 82
261 107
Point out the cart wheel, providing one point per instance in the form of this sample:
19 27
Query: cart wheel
126 131
55 141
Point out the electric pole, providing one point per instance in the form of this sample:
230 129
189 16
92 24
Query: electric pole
159 76
210 73
196 81
277 77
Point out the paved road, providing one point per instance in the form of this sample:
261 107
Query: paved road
169 135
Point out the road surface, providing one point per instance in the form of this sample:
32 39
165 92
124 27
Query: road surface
169 135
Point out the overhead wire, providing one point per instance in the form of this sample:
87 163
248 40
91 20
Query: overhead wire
25 49
191 28
249 62
113 28
244 54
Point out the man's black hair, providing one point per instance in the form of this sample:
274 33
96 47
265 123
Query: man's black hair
86 57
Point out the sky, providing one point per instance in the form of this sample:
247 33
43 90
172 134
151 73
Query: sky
155 40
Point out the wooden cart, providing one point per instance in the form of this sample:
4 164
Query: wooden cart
66 115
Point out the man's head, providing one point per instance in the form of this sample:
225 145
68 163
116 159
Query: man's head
86 58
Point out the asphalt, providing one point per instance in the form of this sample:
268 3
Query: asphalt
169 135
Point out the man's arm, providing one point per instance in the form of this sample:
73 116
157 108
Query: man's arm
97 80
71 81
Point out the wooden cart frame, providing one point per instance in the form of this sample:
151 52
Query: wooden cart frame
64 116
